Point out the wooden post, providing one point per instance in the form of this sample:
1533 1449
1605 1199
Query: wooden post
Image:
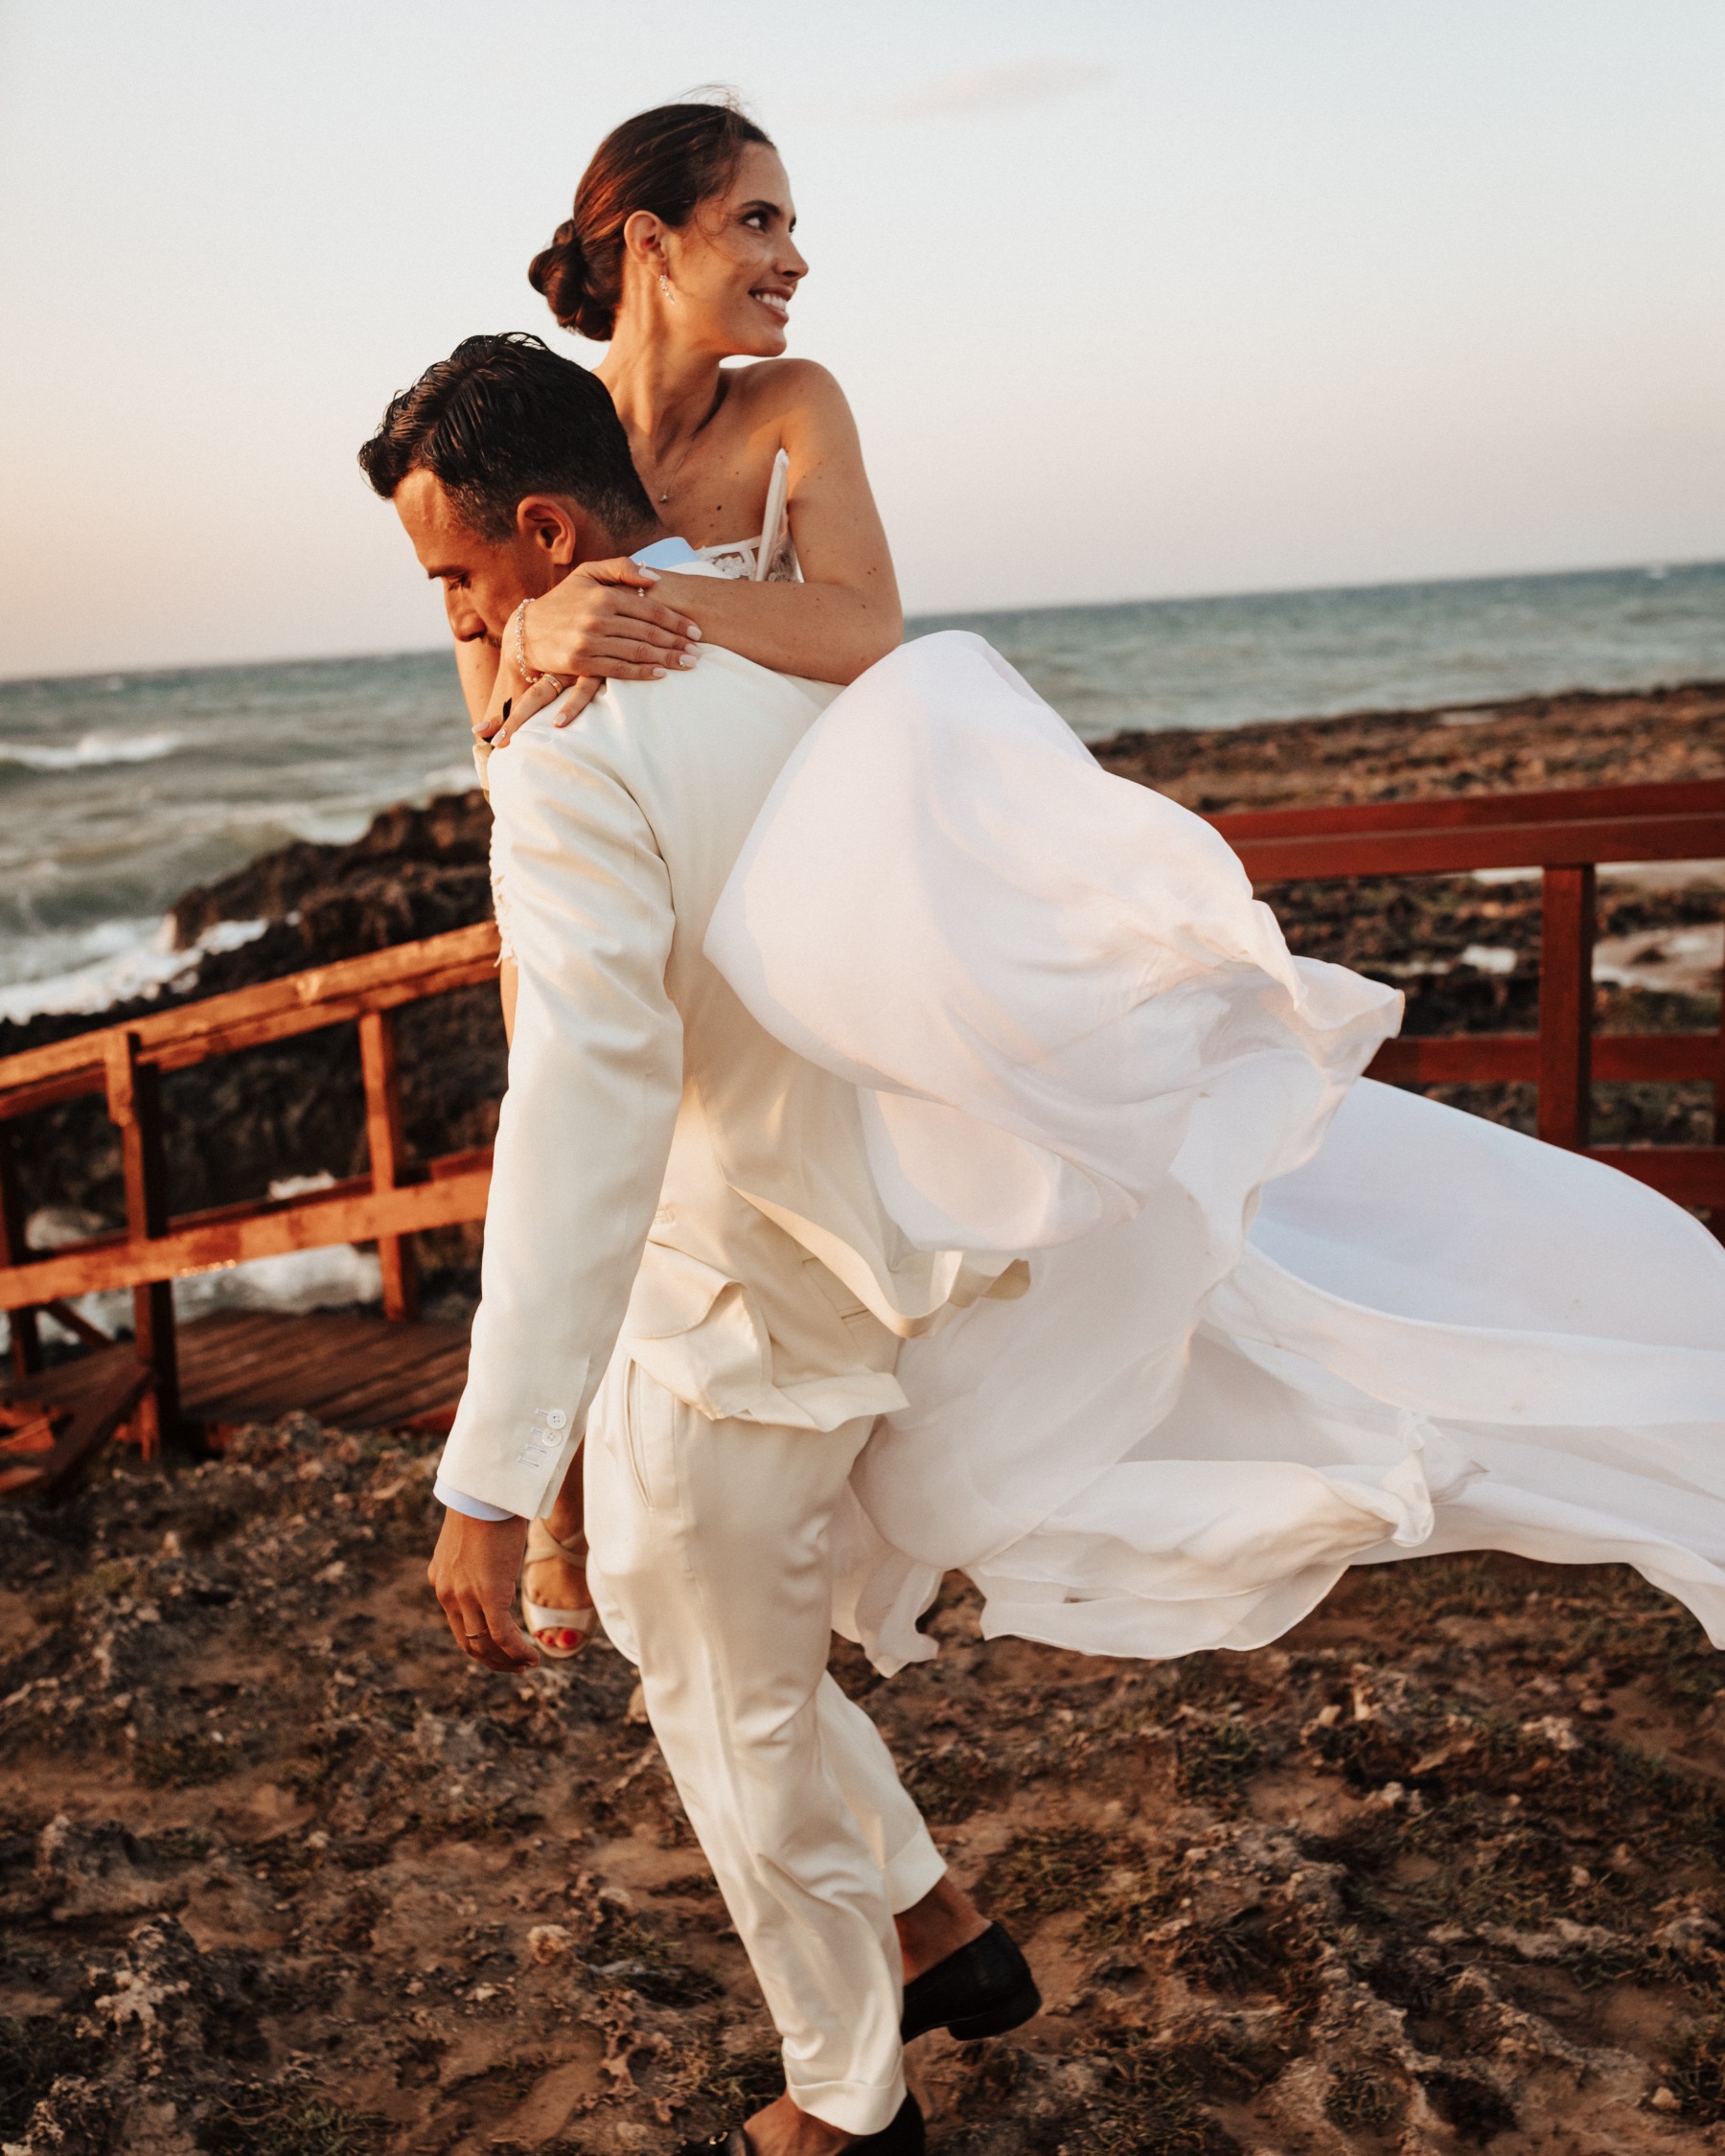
134 1106
25 1338
383 1134
1566 1006
1715 1218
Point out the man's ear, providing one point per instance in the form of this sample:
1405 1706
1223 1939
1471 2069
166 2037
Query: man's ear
552 526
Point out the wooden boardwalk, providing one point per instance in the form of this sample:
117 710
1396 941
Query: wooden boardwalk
250 1366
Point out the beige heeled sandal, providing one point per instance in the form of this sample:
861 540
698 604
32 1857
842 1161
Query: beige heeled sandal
541 1543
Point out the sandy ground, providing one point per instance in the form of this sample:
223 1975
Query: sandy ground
280 1874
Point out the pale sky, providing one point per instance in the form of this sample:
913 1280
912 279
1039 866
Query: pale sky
1134 298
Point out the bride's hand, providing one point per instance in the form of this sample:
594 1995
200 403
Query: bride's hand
599 623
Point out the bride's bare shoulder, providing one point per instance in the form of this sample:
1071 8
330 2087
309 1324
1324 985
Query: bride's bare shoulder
786 390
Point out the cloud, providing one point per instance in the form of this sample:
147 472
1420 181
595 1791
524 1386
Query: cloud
997 89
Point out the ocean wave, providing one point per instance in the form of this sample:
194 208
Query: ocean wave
144 965
90 751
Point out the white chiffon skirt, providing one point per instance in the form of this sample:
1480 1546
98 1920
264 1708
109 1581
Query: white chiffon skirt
1281 1320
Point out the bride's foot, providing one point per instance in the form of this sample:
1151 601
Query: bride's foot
555 1602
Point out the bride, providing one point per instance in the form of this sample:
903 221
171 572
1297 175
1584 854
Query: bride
1280 1320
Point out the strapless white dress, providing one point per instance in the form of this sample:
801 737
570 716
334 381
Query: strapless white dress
1281 1320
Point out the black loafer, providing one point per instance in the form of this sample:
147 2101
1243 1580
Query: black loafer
904 2137
984 1989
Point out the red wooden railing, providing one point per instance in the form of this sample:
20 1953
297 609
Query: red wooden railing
1565 835
127 1063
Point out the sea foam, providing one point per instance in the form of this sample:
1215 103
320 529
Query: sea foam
143 965
90 751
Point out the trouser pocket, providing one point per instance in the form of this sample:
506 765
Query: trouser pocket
649 1440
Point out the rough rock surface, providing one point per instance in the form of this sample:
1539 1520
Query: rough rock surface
1581 738
236 1124
1444 1869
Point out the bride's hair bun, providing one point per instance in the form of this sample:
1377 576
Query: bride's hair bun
559 272
668 161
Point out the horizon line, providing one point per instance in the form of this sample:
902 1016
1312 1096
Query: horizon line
1653 570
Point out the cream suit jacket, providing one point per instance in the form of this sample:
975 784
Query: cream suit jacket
665 1171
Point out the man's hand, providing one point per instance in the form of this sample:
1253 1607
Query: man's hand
473 1574
601 622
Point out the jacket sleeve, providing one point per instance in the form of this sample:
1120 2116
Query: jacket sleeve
595 1074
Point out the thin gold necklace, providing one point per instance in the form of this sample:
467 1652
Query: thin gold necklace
711 413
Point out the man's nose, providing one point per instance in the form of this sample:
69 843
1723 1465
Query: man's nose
466 624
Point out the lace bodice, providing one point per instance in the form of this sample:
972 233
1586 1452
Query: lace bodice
737 557
743 558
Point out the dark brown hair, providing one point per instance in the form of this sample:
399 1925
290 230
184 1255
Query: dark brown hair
504 417
666 161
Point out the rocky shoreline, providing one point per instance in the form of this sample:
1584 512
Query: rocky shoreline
1465 952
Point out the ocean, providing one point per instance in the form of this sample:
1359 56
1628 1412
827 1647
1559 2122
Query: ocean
122 789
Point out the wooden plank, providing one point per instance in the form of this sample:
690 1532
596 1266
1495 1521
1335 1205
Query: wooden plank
450 1168
1470 810
68 1384
1693 1175
346 1370
371 1393
383 1135
268 1010
1430 852
14 1251
220 1352
441 1387
281 1025
302 1225
89 1430
77 1324
134 1105
1566 1006
1502 1059
1717 1216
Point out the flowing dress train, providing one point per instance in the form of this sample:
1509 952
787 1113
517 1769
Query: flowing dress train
1282 1318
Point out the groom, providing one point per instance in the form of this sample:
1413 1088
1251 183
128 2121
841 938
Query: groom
688 1268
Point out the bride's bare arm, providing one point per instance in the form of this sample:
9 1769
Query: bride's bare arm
846 614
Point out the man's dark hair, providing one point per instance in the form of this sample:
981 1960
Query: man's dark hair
504 417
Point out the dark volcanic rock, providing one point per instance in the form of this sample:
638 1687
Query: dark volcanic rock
238 1124
1582 737
280 1871
416 872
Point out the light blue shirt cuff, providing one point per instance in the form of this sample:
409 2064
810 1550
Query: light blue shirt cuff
665 554
476 1508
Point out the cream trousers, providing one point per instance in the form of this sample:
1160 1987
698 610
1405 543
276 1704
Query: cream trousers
711 1570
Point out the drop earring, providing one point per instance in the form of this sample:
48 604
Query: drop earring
665 287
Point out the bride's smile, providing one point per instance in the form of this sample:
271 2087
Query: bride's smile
732 271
